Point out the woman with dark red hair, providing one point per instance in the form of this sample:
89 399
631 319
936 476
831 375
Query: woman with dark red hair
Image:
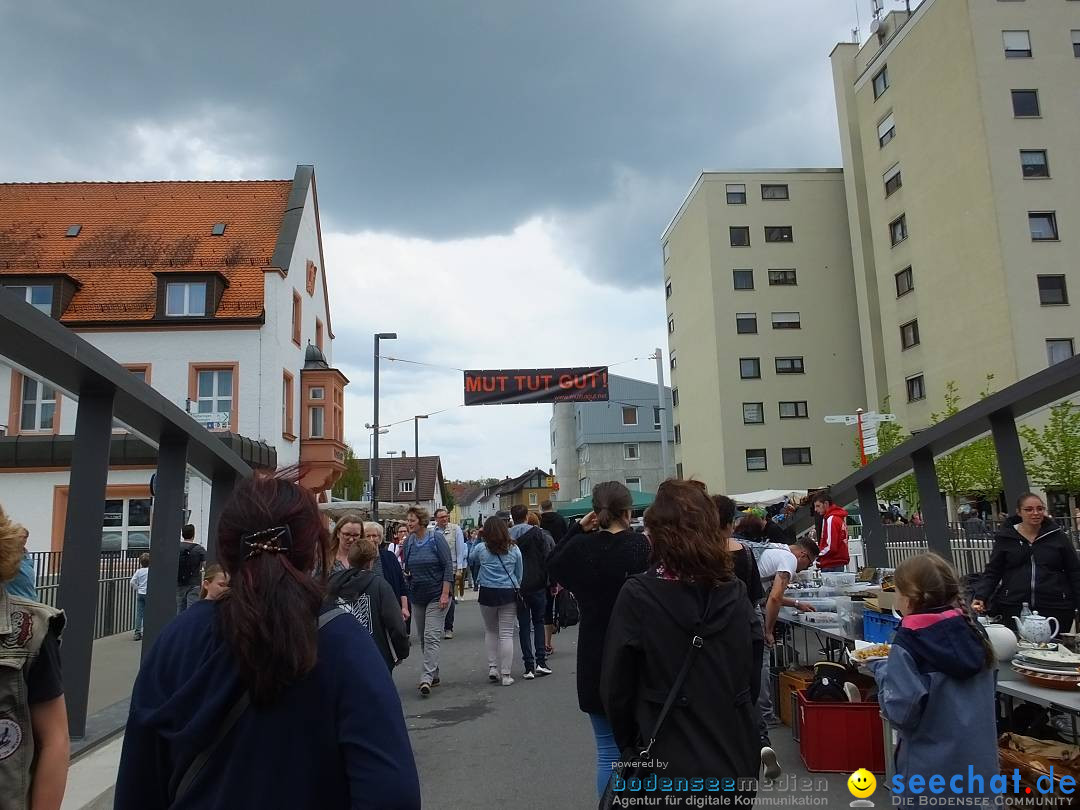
264 698
678 659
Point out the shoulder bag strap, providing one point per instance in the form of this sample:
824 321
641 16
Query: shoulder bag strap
227 724
517 586
696 642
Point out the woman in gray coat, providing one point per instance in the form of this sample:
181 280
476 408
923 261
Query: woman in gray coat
937 689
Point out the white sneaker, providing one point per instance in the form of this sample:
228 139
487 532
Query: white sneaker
770 763
448 634
542 669
493 674
507 680
529 675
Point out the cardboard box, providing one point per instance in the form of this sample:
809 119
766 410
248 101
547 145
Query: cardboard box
791 682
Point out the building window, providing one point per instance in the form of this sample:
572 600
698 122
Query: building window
794 455
317 392
667 288
881 81
1058 349
786 320
743 279
789 365
319 334
671 324
1043 226
1076 44
667 252
898 230
678 434
405 487
740 235
779 233
671 361
1025 103
583 454
736 194
1033 163
631 452
678 470
656 417
746 323
793 410
553 438
214 392
916 388
126 524
674 397
893 180
753 413
583 487
1017 44
297 304
886 130
904 282
782 278
756 460
1052 290
185 299
532 499
38 411
629 415
287 406
909 334
634 484
39 296
317 422
774 191
750 368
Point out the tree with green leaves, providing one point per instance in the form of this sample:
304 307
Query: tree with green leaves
1052 455
351 484
953 469
986 481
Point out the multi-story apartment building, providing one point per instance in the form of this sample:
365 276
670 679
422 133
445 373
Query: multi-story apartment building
214 293
617 440
762 329
940 252
959 129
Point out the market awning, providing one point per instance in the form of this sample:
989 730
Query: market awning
387 509
582 506
767 497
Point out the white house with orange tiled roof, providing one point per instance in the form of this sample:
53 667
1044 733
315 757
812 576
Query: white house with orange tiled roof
213 292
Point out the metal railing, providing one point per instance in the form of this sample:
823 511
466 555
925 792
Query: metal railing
970 548
115 612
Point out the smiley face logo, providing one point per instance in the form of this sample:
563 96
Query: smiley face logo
861 783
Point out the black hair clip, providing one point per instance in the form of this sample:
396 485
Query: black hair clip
275 540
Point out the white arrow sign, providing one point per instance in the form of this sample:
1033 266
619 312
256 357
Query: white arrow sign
842 420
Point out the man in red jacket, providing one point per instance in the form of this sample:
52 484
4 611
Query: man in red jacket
833 543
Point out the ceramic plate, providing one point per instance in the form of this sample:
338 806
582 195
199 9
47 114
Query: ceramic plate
1058 656
1029 667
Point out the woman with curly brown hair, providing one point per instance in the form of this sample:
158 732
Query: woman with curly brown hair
680 636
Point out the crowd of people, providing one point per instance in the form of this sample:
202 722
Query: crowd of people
273 686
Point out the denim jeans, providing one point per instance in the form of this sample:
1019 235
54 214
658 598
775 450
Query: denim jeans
430 619
186 596
140 612
531 629
766 717
449 624
606 751
499 636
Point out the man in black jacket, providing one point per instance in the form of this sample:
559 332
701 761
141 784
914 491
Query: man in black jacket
534 546
552 522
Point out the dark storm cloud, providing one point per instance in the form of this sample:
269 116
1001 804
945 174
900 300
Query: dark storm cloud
439 119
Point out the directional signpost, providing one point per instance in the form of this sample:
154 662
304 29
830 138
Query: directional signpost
866 423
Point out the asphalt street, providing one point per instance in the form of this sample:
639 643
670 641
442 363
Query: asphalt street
483 745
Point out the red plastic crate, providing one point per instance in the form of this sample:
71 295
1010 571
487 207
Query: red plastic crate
840 737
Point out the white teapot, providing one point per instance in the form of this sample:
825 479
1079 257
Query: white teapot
1002 639
1036 628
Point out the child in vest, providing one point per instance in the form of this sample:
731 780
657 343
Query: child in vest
937 686
33 715
138 582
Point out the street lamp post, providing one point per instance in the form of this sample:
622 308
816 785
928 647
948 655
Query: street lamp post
371 430
375 452
416 442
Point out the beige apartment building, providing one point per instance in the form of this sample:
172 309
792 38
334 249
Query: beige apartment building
763 329
959 219
960 132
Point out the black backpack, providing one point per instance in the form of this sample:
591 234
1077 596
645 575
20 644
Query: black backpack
565 610
190 560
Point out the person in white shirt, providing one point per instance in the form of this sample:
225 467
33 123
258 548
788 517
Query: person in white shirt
138 582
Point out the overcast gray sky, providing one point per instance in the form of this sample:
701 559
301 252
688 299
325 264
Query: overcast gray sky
493 175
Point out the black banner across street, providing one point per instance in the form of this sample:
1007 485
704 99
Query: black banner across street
532 385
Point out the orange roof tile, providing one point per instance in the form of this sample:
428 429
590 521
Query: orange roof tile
132 230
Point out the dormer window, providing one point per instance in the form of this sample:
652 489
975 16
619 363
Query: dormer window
185 299
218 229
73 230
39 296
